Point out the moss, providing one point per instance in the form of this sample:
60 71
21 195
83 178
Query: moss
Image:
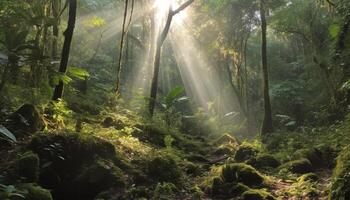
152 134
26 120
300 166
220 188
64 156
70 149
225 149
97 178
308 177
27 167
245 152
193 169
164 191
35 192
225 139
243 173
264 161
254 194
164 169
340 189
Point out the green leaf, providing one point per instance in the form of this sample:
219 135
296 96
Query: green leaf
334 30
78 73
5 132
173 94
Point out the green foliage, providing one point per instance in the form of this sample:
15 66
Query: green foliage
341 177
10 192
6 134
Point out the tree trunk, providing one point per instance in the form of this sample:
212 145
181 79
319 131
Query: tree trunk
68 36
55 27
160 41
267 126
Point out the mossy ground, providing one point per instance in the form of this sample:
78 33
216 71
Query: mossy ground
148 159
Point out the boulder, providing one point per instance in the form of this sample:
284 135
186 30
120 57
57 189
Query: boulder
26 120
242 173
301 166
254 194
164 168
245 152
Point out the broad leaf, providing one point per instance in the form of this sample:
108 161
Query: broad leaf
5 132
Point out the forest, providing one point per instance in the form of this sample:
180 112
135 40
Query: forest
175 99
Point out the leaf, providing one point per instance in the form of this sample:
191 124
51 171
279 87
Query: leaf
334 30
5 132
78 73
173 94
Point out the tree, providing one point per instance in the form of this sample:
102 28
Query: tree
160 41
124 33
267 126
68 36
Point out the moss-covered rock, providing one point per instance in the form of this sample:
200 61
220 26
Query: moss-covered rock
300 166
226 139
222 189
264 161
70 149
65 156
164 168
97 178
254 194
245 152
27 167
319 156
243 173
340 189
35 192
225 149
26 120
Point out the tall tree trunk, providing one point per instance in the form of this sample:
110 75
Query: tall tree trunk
160 42
267 126
68 36
124 33
55 27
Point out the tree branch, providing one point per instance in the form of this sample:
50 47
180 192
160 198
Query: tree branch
183 6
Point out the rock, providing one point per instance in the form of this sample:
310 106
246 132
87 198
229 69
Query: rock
152 134
226 139
35 192
245 152
254 194
264 161
225 149
65 156
243 173
26 120
97 178
27 167
225 190
322 156
301 166
341 176
164 169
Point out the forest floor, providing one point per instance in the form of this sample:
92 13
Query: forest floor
159 162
